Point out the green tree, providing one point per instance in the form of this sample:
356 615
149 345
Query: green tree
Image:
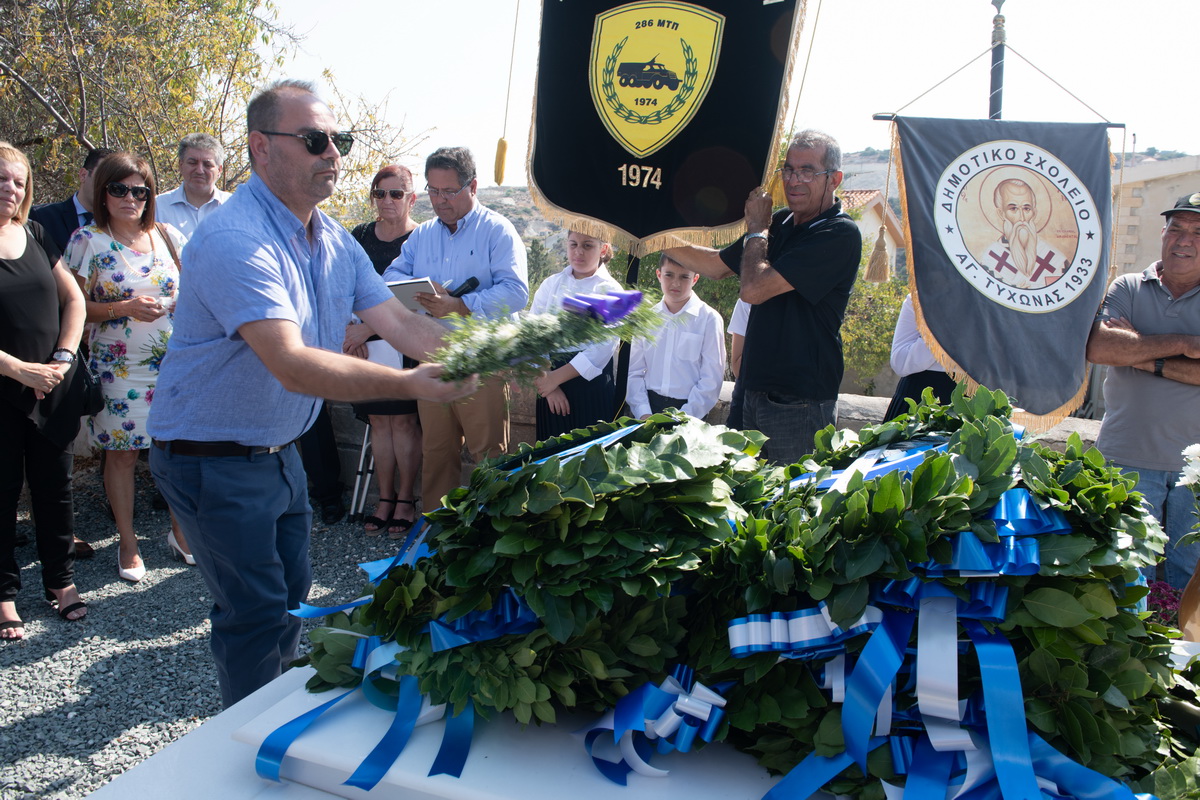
542 264
868 327
128 74
140 74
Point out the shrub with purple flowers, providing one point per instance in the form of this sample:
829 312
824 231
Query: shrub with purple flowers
1163 602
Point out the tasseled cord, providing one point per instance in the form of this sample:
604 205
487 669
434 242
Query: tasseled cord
502 145
878 268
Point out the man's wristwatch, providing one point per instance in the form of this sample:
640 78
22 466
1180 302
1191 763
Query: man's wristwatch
756 235
63 356
1158 365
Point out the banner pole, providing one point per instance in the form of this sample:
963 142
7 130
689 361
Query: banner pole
998 39
622 374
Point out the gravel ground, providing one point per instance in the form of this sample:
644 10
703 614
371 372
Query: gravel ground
81 702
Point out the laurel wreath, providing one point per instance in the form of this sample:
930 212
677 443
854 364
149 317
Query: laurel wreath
691 73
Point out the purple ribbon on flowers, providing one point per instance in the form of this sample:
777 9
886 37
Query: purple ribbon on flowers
608 308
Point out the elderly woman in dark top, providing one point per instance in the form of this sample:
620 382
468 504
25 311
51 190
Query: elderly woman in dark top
395 431
39 417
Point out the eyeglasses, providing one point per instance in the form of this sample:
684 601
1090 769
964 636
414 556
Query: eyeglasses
317 142
804 174
447 194
140 193
395 194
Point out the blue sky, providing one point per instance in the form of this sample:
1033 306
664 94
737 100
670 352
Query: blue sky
444 66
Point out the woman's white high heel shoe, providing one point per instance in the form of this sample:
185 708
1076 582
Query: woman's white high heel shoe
177 551
133 574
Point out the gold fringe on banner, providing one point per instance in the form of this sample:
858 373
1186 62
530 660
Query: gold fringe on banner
705 237
624 240
1035 423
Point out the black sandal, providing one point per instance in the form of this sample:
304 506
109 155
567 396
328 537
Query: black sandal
65 612
401 525
9 624
380 524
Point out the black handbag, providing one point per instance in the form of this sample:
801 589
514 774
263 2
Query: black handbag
88 386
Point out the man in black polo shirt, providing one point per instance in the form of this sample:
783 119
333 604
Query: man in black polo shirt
796 268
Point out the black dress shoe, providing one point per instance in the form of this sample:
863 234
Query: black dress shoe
333 511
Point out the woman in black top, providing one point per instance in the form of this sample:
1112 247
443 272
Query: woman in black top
43 310
395 431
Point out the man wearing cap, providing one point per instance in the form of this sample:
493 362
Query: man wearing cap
1148 333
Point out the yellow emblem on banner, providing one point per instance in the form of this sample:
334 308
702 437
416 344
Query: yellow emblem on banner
651 67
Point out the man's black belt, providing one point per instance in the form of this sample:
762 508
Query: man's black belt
184 447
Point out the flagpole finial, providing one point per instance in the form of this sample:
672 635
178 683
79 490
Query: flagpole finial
995 97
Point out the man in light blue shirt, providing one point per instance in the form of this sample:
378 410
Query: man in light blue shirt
258 331
184 207
466 241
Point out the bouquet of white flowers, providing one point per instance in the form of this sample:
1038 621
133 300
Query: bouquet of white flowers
483 347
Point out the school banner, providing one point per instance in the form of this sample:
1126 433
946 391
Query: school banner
654 120
1008 225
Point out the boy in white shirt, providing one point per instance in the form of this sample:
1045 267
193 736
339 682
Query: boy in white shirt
737 334
684 367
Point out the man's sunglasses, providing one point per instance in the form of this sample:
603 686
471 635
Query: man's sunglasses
317 142
395 194
140 193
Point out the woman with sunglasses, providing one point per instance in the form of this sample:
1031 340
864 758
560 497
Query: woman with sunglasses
129 274
395 431
42 311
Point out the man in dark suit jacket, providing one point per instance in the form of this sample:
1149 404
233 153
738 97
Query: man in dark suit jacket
62 219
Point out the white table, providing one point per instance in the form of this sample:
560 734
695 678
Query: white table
207 763
535 763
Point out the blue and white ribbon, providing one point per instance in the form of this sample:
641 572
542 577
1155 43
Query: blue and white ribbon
808 633
902 456
411 709
671 715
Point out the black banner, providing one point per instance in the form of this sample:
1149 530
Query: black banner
1008 226
655 117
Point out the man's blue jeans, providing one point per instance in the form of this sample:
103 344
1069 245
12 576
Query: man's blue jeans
1174 507
247 522
791 422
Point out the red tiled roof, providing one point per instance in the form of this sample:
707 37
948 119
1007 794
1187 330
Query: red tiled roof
857 198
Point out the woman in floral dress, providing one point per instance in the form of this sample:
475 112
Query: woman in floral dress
130 278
